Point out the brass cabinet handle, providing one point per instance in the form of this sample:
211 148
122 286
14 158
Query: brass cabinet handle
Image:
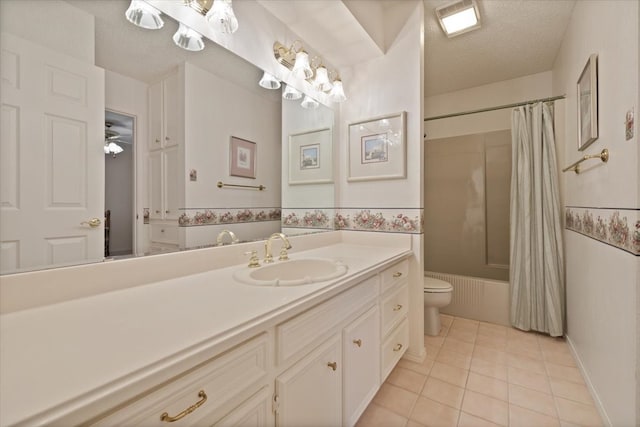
398 307
157 141
93 222
333 365
167 211
397 274
398 347
157 211
168 418
358 342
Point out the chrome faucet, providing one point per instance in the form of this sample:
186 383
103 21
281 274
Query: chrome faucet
268 258
231 234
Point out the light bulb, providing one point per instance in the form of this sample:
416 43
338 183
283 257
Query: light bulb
337 92
321 82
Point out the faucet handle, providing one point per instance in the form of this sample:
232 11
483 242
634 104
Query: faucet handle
253 261
283 254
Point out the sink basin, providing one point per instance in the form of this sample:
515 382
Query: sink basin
292 273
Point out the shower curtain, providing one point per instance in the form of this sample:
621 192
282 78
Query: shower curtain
536 256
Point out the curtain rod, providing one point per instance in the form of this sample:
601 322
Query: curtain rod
501 107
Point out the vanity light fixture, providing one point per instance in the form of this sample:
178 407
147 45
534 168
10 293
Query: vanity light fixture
144 15
269 82
188 39
459 17
291 93
309 103
296 59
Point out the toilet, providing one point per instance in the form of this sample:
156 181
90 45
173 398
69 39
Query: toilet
437 294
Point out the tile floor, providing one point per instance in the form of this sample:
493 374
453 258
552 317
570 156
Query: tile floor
480 374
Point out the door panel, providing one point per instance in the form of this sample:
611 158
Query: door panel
52 128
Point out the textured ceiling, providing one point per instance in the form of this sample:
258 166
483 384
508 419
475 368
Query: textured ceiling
517 38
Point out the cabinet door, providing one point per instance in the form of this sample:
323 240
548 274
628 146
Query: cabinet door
172 107
361 350
155 116
155 185
172 180
310 392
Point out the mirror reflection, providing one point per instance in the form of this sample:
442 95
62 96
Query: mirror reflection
174 113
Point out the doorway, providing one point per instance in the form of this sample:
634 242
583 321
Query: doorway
119 185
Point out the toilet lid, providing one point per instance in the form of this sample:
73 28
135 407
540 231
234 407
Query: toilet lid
432 284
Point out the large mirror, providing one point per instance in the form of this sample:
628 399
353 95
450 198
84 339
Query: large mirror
199 138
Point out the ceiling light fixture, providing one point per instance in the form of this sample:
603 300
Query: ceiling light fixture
459 17
188 39
337 92
269 82
321 82
144 15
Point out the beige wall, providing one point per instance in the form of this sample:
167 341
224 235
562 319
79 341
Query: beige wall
467 181
602 279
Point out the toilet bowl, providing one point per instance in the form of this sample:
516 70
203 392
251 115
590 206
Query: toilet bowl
437 294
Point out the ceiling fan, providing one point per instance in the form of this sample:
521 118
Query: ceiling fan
111 139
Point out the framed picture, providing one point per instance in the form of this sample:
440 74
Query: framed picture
310 157
588 103
378 148
242 158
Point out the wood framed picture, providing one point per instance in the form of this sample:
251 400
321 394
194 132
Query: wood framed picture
588 103
310 157
242 155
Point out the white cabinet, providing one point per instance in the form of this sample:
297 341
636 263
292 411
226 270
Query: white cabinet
234 386
310 392
361 352
165 184
394 309
165 113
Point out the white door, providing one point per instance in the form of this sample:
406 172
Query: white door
52 170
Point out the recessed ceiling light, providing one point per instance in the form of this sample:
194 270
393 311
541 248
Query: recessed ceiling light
459 17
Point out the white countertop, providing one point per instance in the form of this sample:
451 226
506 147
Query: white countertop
58 358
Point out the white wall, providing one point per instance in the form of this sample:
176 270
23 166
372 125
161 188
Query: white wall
216 110
525 88
601 279
129 96
383 86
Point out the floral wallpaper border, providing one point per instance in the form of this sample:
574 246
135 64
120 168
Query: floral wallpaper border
217 216
365 219
616 227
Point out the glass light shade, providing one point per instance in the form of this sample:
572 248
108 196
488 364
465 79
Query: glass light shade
269 82
337 92
112 148
144 15
188 39
221 17
309 103
291 93
321 82
301 67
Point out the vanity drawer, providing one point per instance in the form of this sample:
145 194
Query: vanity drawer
164 233
394 307
394 275
227 381
394 347
312 326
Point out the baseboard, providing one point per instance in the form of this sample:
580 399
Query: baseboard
594 394
413 357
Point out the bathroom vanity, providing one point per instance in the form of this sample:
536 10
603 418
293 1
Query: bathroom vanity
204 348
